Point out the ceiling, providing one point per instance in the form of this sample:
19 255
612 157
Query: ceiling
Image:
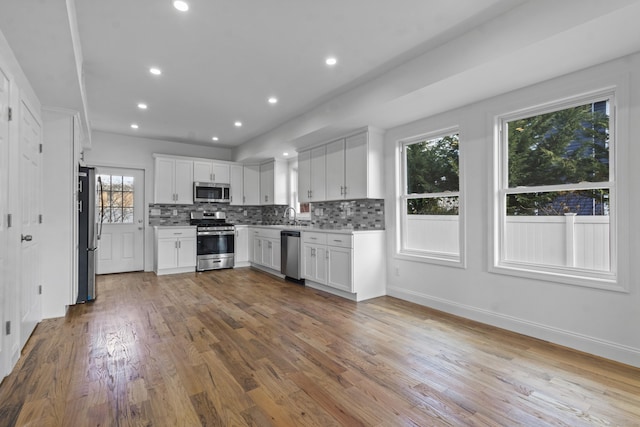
222 60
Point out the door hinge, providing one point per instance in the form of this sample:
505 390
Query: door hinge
39 289
40 219
9 220
10 114
7 327
41 148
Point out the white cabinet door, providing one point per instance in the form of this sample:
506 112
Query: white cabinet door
308 262
267 175
339 268
314 260
267 252
236 183
257 250
220 173
356 167
335 170
251 185
241 245
167 256
186 252
202 171
164 177
318 176
276 255
304 176
184 182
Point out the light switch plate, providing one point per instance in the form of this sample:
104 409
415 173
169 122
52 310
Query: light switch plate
155 211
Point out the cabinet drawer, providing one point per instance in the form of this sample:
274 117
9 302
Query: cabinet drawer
341 240
316 238
176 232
266 233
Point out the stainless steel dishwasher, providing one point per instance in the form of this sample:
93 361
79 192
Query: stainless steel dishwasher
290 263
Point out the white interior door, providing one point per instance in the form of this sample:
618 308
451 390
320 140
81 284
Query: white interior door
121 244
30 138
4 201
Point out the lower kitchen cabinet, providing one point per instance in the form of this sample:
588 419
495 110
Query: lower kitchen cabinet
241 247
314 262
266 248
349 265
175 250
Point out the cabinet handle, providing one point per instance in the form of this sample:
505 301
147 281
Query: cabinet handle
175 244
327 255
244 199
345 190
313 252
269 245
338 241
341 190
179 244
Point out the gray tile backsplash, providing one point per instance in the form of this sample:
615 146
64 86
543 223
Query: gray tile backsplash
365 214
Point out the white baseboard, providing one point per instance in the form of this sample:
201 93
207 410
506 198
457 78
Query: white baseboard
609 350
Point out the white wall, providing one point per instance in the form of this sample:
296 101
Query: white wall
116 150
597 321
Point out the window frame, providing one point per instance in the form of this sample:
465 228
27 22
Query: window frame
430 256
110 192
570 275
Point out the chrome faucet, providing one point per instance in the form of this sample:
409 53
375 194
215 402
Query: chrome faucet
284 215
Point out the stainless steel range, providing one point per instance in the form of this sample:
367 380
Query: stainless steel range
216 240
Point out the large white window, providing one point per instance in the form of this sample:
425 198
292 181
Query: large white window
556 191
430 206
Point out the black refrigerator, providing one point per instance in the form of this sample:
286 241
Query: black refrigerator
88 233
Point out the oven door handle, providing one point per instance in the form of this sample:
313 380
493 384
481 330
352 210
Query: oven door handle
216 233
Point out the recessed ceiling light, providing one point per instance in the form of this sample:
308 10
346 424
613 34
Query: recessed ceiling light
285 154
238 124
331 61
182 6
142 106
273 100
215 138
155 71
134 126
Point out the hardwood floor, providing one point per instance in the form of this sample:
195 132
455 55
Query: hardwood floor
239 347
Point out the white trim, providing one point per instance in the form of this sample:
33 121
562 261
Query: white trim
581 342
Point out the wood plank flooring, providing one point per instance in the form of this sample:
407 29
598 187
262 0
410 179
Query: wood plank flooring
242 348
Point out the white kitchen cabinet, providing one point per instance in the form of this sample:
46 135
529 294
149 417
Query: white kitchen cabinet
236 181
335 170
211 171
339 262
354 167
273 183
314 262
312 175
241 246
251 185
266 248
175 250
351 265
173 181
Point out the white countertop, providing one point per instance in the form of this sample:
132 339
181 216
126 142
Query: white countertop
315 229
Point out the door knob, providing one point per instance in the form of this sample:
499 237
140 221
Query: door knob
28 237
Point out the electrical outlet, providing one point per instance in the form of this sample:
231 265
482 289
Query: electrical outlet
244 213
155 211
175 212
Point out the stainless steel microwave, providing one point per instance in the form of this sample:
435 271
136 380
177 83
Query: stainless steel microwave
211 192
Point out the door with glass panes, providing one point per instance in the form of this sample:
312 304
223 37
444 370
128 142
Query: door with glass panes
120 209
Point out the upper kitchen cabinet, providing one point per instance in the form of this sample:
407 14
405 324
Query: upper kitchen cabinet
312 182
273 183
236 183
251 185
354 167
173 180
208 171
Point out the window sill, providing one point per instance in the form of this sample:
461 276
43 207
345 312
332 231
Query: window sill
595 280
438 258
